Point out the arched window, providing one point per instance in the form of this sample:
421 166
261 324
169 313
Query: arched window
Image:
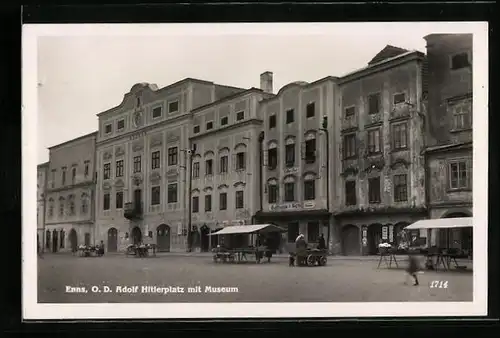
309 186
272 191
290 151
310 147
272 155
61 206
289 188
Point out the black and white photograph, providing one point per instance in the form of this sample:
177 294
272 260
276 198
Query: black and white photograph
255 170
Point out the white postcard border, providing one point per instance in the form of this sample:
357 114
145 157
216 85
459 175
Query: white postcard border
36 311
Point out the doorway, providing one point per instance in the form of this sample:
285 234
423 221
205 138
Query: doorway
163 238
54 241
112 240
350 240
73 240
138 199
136 235
374 238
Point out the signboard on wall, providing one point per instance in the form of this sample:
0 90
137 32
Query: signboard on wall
391 233
384 232
286 206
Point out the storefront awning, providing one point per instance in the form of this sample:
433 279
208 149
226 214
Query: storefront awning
248 229
442 223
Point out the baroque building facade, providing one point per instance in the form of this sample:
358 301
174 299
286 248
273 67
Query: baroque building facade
379 172
449 134
141 162
69 219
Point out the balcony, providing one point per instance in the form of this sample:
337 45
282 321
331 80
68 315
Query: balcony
133 211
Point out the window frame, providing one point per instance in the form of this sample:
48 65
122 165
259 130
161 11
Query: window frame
118 125
119 199
155 195
272 121
240 116
172 193
468 174
106 174
169 105
400 188
289 192
290 116
377 147
160 108
308 111
119 168
374 196
396 132
345 139
137 164
173 156
208 202
223 201
195 204
239 199
155 160
350 193
369 102
309 189
224 121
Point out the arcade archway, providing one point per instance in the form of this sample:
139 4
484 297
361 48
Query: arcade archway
136 235
73 240
112 240
163 238
350 240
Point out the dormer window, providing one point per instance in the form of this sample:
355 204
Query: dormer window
156 112
173 106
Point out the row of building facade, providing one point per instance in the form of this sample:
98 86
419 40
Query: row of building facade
355 158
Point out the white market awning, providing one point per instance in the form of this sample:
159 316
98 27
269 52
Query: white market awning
248 229
442 223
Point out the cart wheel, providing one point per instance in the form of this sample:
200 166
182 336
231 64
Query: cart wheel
311 261
322 261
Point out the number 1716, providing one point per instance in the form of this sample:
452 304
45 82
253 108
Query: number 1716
440 284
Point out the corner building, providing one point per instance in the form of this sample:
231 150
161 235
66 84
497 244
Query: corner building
449 135
379 167
141 163
70 192
293 179
225 171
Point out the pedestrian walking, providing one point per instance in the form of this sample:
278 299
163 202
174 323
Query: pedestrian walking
412 269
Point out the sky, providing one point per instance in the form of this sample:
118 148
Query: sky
86 69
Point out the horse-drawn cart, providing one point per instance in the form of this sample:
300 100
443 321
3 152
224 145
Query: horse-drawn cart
312 257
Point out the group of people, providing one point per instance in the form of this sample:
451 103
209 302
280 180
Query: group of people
301 248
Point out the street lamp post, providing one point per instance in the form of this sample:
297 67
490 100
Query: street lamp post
191 152
324 128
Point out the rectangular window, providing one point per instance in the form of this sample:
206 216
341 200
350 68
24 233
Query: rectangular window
462 115
223 164
400 136
209 125
239 202
155 160
460 60
272 193
107 171
119 168
196 204
240 161
459 174
173 155
272 121
350 193
172 193
106 202
155 195
209 167
312 232
400 188
108 128
119 200
374 141
86 170
224 121
208 202
223 201
399 98
137 164
196 169
120 125
196 129
310 150
293 231
374 190
350 111
156 112
73 175
289 192
309 190
290 155
272 158
374 103
240 115
173 106
63 178
349 146
53 183
290 116
310 110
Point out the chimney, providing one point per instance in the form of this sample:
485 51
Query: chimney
266 82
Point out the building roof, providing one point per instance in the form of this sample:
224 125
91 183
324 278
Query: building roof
229 97
387 53
45 164
74 140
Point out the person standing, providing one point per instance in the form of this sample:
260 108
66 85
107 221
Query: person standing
412 269
321 242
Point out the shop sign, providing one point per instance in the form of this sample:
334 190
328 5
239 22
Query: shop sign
309 205
287 206
391 233
365 233
365 241
384 233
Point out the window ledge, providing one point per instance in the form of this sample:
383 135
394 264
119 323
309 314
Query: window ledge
454 131
393 151
449 190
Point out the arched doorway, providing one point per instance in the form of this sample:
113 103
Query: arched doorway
163 238
54 241
459 238
47 240
205 238
112 240
73 240
374 236
136 235
350 240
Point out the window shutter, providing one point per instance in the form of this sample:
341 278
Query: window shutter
303 150
234 158
265 160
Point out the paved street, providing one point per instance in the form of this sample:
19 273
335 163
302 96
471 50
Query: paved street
342 280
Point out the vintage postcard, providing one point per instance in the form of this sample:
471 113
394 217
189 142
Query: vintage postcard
255 170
